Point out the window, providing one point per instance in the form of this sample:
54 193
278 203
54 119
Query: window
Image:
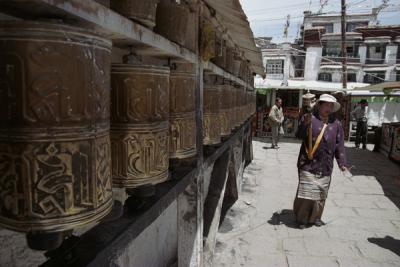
275 66
376 54
326 77
328 26
350 50
351 77
374 77
398 76
350 26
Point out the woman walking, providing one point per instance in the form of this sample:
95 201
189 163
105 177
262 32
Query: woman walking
315 162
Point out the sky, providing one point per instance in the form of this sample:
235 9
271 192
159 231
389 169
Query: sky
268 17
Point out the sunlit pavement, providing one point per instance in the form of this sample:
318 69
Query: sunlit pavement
362 215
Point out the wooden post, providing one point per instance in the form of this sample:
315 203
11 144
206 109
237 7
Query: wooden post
344 51
190 202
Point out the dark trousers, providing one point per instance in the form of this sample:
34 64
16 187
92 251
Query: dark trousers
361 133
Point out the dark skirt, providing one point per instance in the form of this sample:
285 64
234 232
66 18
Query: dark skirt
307 211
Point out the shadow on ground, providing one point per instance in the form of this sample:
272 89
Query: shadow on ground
285 217
267 140
362 160
387 242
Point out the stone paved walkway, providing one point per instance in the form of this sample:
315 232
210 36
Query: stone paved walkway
362 215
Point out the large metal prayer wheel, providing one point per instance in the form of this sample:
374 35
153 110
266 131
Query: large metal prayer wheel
55 164
139 125
220 52
138 10
211 120
232 107
224 113
182 117
238 103
243 105
248 104
229 64
172 20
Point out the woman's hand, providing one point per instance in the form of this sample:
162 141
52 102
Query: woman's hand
346 171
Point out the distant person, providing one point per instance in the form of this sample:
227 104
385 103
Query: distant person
315 166
275 119
360 115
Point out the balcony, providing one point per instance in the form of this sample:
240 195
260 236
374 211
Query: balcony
375 61
275 76
329 58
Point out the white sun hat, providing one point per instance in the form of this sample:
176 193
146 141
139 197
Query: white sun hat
330 99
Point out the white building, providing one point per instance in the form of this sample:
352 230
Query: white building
314 62
372 50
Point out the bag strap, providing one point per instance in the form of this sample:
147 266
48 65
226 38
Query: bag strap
310 154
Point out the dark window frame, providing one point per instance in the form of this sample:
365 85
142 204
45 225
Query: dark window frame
368 78
325 76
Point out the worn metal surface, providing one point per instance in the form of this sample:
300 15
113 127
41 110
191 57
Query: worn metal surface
212 122
91 14
224 113
172 21
231 15
139 124
220 52
237 93
143 12
182 117
55 165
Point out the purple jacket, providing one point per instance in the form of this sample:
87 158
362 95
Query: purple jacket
332 145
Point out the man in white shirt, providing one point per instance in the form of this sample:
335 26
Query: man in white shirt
360 114
275 119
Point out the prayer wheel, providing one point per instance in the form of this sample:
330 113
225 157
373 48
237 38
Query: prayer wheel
241 104
220 52
232 107
182 115
172 21
140 11
250 103
229 66
238 104
224 113
237 61
55 161
207 40
254 103
139 125
243 116
245 104
211 119
192 32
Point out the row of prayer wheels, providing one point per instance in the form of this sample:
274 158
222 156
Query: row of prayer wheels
226 106
73 126
170 18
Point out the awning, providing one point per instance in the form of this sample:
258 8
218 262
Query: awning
376 98
386 87
339 67
264 91
376 68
